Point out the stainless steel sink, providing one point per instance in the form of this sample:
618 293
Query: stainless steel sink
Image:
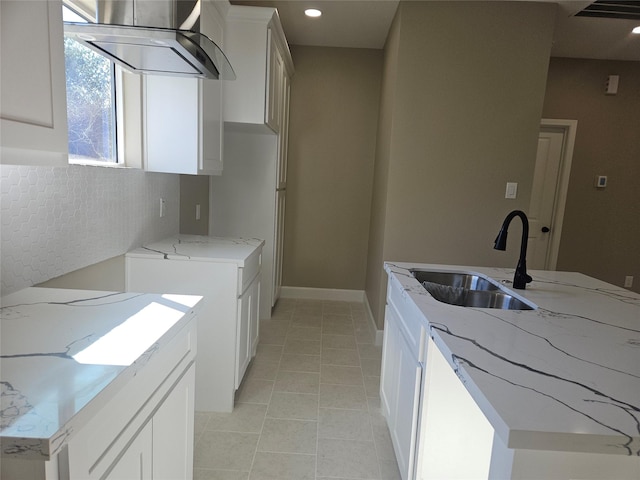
468 290
493 299
455 279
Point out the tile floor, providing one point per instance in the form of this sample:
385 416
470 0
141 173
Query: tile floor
308 408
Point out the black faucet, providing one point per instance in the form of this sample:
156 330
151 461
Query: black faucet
521 278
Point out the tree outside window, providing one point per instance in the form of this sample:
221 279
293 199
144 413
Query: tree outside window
90 110
90 101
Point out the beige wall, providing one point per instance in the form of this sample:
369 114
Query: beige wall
194 190
467 102
376 278
332 139
601 231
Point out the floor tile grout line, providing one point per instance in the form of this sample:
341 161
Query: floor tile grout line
368 405
255 453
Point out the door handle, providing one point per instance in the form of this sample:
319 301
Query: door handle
545 229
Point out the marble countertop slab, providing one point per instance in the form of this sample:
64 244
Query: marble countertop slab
66 353
564 376
202 248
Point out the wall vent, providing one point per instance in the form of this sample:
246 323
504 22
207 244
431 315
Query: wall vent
626 10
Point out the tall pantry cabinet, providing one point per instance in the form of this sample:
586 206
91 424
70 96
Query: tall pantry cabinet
249 199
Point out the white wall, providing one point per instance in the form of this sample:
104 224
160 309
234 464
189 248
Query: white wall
54 220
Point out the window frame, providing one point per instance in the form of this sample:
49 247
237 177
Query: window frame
117 130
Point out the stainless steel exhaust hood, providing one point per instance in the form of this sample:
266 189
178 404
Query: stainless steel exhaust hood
159 37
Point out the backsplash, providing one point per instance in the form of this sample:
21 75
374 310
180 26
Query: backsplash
54 220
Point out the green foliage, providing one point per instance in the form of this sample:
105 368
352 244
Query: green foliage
89 102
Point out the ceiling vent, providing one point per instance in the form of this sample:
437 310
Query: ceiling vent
625 10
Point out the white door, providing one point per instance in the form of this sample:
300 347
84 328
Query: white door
543 194
548 193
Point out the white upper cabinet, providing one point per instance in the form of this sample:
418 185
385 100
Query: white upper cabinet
182 117
275 83
32 84
257 49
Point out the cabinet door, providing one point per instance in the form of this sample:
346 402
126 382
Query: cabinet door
243 340
400 387
283 140
183 125
278 245
404 433
275 74
247 328
173 431
135 462
171 124
390 366
33 92
254 320
246 48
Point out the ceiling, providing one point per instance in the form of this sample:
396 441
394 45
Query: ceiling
365 24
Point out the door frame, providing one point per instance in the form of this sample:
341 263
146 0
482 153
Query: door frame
568 129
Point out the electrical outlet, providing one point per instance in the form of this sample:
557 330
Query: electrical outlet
628 281
163 208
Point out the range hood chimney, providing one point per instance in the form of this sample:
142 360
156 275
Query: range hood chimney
160 37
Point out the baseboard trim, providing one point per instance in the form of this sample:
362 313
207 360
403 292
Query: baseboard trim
322 294
378 334
339 295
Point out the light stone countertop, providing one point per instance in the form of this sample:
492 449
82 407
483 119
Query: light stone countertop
66 353
565 376
200 247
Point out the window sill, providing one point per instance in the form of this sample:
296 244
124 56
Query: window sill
96 163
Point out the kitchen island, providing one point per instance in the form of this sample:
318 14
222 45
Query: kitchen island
96 384
227 273
553 392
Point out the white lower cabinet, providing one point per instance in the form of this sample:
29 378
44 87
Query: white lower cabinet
136 461
400 389
247 336
227 273
146 430
163 448
173 432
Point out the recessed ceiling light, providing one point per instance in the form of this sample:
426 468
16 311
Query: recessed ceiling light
636 30
312 12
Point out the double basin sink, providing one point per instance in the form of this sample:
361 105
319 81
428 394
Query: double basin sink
467 289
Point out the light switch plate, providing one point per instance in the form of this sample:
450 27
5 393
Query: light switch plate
512 190
611 87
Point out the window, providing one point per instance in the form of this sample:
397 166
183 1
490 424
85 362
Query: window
91 112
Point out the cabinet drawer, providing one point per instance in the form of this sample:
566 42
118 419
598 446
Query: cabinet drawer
409 323
247 273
